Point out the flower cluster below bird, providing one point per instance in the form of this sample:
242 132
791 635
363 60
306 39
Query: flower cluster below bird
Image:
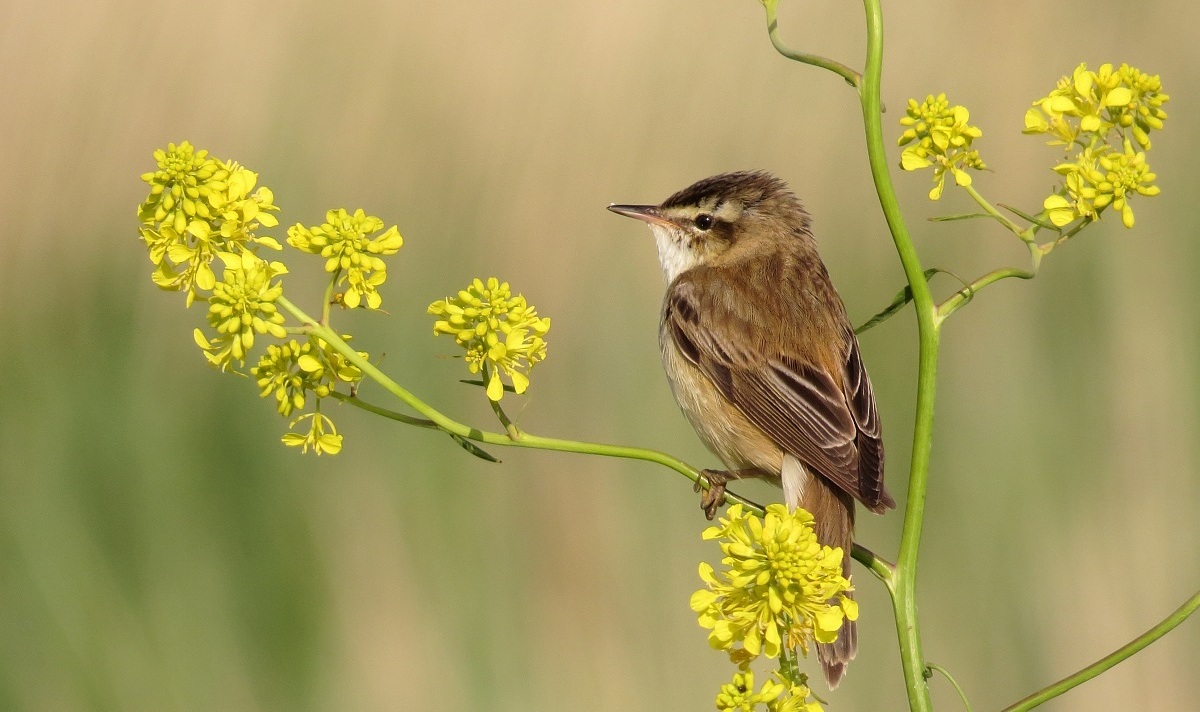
779 695
779 591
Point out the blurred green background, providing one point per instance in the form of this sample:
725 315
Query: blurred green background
161 550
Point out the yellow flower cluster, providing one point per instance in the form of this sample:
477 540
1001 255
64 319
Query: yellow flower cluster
1085 106
796 699
938 135
1100 115
501 333
351 252
200 206
292 370
1093 183
241 305
781 588
204 213
739 696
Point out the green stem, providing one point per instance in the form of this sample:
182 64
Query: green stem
877 565
946 673
1046 248
967 293
880 567
1036 253
902 579
328 303
904 600
1108 661
852 77
438 420
514 433
384 412
1025 235
883 570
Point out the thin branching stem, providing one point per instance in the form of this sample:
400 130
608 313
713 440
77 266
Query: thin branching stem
877 565
958 688
968 292
329 295
1120 654
852 77
434 418
1024 233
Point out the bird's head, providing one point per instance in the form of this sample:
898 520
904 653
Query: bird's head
721 218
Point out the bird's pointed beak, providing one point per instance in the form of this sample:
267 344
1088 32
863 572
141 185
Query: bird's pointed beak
649 213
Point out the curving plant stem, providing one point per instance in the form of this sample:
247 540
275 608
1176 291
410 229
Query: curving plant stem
852 77
513 437
904 598
1125 651
902 584
900 578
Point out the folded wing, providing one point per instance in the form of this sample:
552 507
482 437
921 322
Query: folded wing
827 420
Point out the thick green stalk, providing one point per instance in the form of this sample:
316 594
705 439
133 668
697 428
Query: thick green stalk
904 600
902 578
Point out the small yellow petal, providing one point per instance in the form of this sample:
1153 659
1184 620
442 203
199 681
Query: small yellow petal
1119 96
495 389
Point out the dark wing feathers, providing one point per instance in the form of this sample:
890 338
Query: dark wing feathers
860 398
832 429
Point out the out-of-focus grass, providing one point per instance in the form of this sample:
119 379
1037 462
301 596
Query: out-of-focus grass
160 550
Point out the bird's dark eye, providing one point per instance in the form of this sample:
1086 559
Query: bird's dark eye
704 221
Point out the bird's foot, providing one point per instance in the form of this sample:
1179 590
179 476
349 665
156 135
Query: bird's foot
712 498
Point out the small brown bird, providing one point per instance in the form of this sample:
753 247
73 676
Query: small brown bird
762 359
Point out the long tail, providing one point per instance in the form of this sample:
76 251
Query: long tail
833 514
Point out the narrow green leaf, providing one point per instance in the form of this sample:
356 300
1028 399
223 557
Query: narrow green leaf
948 218
480 383
1026 216
473 448
904 296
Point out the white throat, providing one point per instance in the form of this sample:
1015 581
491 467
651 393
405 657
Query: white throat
675 258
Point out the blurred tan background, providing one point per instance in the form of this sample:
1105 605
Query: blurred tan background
160 550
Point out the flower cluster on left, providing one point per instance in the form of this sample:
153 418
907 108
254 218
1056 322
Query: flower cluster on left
201 224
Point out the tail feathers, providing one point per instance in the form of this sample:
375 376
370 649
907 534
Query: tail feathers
833 515
835 656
